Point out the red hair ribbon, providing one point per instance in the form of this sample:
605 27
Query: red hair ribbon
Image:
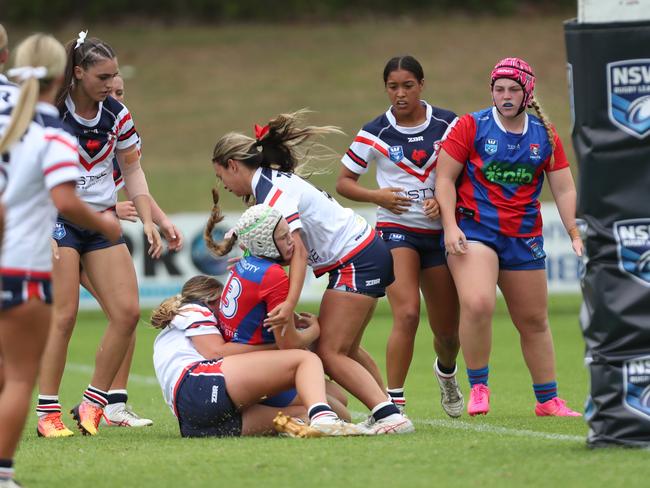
261 131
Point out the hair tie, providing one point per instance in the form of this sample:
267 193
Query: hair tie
81 39
24 73
260 132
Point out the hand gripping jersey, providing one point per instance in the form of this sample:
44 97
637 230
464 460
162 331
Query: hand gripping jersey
111 129
173 351
406 158
254 288
46 156
332 234
504 172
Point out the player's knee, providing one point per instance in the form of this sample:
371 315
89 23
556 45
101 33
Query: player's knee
407 320
63 322
477 306
534 323
127 319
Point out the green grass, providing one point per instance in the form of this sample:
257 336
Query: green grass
193 84
509 447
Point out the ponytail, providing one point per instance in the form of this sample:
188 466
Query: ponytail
216 215
547 125
39 59
202 289
281 145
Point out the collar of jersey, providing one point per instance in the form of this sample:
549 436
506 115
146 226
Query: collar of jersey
87 122
495 116
410 130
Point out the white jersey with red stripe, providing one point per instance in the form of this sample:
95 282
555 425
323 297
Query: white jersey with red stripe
332 234
173 350
46 156
406 158
98 138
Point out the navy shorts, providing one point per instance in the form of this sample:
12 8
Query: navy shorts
281 400
369 272
515 253
426 244
202 404
66 234
18 289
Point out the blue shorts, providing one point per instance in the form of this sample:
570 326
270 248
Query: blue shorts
426 244
281 400
369 272
66 234
202 404
515 253
20 289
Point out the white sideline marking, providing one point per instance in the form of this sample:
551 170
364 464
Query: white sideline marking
489 429
133 378
441 423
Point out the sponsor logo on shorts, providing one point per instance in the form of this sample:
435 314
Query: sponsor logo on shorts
636 378
373 282
396 237
633 246
59 231
215 394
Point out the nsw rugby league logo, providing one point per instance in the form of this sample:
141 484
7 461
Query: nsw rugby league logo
633 246
636 378
396 153
491 146
628 96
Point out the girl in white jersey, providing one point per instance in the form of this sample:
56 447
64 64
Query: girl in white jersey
103 128
404 144
40 163
328 237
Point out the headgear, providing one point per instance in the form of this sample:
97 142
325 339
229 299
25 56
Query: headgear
518 70
255 230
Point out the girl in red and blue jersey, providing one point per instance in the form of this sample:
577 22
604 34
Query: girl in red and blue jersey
404 143
331 239
490 174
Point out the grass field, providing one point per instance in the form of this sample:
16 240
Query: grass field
190 85
509 447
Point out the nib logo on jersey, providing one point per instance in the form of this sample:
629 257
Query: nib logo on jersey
628 96
636 378
633 245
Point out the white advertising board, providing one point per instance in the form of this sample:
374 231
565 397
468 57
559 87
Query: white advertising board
162 278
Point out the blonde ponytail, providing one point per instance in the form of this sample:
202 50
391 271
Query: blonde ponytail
547 125
21 115
42 52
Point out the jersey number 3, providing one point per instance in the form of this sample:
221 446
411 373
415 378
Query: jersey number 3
229 301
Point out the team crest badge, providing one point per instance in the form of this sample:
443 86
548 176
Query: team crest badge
59 231
534 151
396 153
633 246
491 146
636 379
628 96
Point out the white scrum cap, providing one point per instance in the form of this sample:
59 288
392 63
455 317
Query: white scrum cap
255 230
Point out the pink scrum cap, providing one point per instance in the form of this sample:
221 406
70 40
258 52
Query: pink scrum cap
518 70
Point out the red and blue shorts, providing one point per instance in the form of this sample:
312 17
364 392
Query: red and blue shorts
202 404
369 272
515 253
19 287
